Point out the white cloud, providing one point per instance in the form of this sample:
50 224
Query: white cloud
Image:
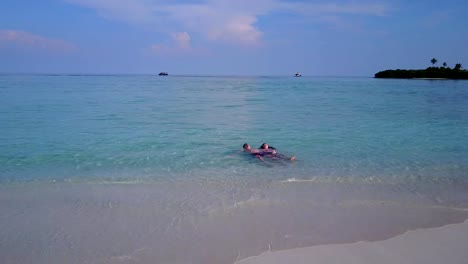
237 29
24 39
180 44
181 39
232 21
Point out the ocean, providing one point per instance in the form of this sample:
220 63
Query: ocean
163 155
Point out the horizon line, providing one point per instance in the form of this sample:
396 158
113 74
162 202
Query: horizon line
176 75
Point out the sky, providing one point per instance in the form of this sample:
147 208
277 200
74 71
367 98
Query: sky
230 37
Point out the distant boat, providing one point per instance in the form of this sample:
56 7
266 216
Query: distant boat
163 74
297 74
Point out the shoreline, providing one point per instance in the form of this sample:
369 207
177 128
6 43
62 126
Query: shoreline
204 223
419 246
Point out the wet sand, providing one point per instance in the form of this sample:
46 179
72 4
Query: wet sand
207 222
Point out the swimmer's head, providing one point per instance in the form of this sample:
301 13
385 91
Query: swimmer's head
246 146
264 146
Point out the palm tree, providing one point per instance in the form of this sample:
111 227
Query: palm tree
434 61
458 67
444 64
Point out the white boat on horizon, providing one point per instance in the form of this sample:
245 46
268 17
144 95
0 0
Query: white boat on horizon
297 74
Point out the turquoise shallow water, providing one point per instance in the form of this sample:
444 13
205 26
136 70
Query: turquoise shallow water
150 128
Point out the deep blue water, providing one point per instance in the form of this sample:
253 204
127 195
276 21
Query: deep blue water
150 128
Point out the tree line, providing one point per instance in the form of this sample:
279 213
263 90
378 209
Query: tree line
458 66
443 72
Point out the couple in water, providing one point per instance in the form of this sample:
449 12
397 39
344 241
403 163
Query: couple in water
265 151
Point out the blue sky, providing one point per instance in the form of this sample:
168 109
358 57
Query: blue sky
230 37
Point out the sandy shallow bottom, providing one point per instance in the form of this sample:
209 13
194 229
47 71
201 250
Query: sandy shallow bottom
209 222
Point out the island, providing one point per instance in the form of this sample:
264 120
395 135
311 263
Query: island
444 72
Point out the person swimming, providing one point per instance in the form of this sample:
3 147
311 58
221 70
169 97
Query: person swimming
271 151
266 146
266 151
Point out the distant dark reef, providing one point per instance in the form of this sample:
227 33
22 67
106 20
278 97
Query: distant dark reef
433 72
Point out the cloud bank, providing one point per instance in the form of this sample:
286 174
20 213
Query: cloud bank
232 21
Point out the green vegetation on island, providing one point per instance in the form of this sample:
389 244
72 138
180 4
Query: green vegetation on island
433 72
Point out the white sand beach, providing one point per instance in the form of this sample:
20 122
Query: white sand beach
448 244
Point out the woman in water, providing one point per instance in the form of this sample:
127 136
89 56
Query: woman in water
271 152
